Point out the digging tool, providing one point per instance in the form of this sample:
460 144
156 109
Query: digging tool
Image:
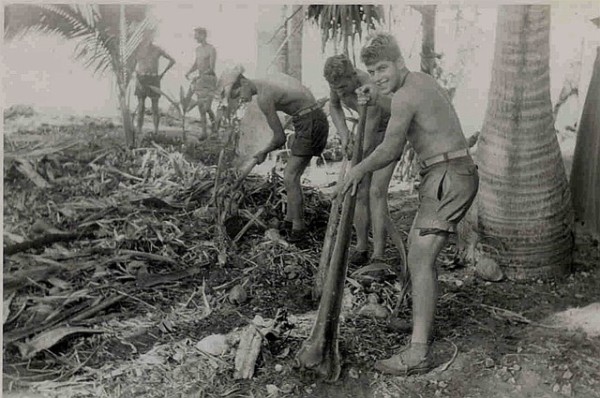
329 234
320 351
246 169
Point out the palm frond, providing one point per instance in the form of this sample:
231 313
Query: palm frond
60 19
342 23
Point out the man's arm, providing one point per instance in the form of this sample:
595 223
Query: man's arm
171 61
393 143
267 106
384 102
338 118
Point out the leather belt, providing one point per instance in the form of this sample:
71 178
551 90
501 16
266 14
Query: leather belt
307 110
443 157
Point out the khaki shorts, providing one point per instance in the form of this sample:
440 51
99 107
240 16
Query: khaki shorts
311 133
205 87
446 193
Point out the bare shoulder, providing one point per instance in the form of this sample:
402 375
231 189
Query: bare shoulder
408 93
419 81
265 93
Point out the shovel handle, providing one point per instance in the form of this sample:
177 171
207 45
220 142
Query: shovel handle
360 136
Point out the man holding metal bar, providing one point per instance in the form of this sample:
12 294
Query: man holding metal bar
421 113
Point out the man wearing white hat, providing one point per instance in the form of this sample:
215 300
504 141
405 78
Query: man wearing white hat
279 92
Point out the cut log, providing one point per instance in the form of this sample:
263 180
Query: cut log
247 353
334 213
320 352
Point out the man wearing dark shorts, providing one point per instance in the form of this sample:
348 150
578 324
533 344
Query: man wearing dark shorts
421 113
147 76
371 202
279 92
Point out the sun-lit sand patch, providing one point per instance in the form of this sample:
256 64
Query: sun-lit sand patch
583 318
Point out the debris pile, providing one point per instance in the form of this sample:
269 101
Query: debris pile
92 233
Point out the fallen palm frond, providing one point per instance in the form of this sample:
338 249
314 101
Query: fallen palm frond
118 229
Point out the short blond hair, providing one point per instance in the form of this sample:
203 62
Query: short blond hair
380 46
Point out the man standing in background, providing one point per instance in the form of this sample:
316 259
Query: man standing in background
147 76
205 83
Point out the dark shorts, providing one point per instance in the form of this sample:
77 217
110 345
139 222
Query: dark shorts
446 193
143 83
311 133
205 86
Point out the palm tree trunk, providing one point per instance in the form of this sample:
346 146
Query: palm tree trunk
272 33
428 40
121 73
294 62
523 208
128 126
585 174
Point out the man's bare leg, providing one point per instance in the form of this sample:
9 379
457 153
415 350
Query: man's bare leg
203 122
422 254
378 193
140 113
291 179
211 115
155 114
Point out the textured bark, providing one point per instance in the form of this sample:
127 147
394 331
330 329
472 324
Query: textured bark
428 40
128 126
523 209
585 174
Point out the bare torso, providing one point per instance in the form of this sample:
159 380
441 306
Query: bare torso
434 128
205 55
287 93
147 60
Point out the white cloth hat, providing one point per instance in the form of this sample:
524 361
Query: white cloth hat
227 80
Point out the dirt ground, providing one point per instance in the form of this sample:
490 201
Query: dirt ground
500 339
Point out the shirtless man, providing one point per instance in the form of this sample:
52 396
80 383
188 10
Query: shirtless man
205 82
421 113
371 204
279 92
147 60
